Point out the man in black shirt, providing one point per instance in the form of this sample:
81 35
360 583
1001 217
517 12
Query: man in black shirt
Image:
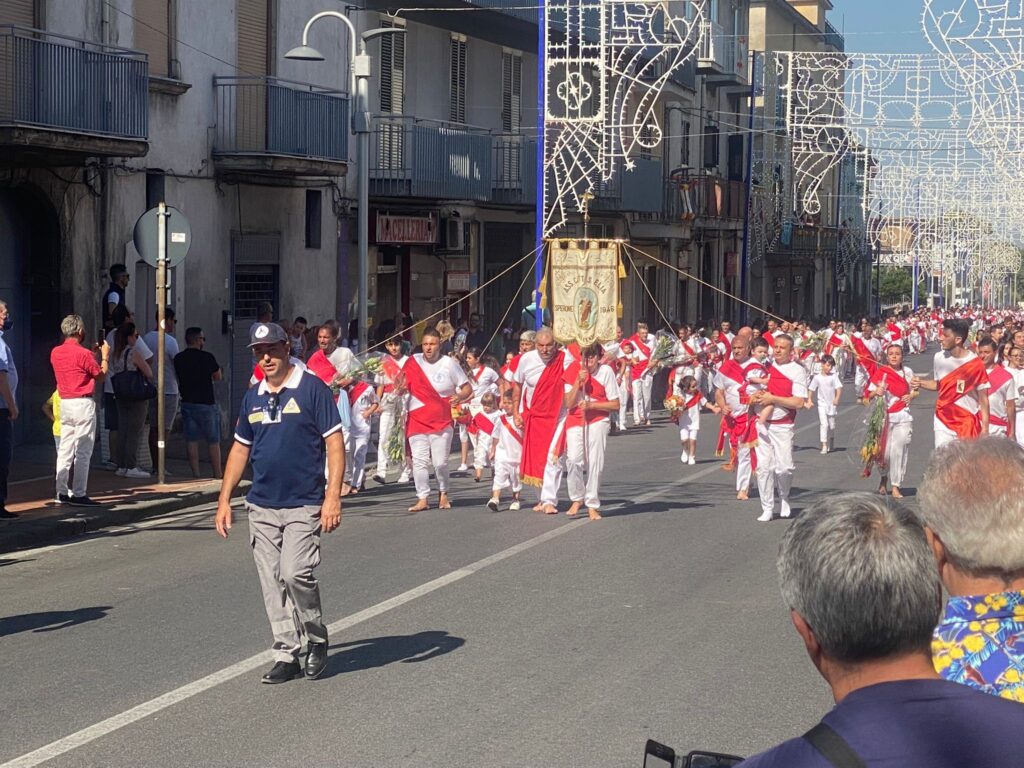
477 337
113 297
196 371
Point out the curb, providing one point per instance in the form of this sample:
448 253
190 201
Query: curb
28 534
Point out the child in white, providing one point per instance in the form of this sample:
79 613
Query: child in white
506 453
688 389
364 403
484 433
757 378
484 379
829 388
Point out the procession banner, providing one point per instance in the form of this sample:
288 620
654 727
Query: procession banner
584 290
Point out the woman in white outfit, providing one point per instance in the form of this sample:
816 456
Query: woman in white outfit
893 382
1015 364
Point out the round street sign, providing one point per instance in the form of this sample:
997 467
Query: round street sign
146 236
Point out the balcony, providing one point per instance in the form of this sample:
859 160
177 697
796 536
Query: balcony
269 125
804 243
833 39
65 99
515 169
413 157
712 199
637 190
722 56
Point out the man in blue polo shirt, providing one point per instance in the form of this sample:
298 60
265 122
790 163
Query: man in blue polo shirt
286 428
860 581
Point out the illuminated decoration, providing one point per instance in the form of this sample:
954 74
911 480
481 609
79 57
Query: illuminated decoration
606 64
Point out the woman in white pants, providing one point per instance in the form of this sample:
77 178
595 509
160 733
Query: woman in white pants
393 405
892 381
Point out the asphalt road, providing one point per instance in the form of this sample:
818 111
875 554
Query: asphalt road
459 638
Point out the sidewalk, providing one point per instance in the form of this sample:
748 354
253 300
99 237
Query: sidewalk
42 521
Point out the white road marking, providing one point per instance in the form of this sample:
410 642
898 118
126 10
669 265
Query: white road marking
178 695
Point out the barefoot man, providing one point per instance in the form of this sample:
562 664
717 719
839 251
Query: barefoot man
436 384
537 390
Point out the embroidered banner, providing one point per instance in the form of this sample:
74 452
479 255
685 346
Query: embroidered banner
584 290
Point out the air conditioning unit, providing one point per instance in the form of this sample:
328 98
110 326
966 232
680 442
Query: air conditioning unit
454 235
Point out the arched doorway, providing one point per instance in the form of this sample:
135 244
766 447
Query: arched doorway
30 284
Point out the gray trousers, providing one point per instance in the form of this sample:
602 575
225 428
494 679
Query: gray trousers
286 547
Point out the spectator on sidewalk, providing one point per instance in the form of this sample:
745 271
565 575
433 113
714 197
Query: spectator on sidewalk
51 410
860 583
196 370
477 337
171 392
113 297
8 408
76 370
130 354
973 509
119 316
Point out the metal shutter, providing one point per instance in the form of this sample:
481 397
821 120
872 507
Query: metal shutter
392 71
151 30
457 106
251 98
511 91
20 12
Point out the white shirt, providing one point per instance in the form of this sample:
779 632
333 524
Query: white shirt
826 387
446 377
170 352
484 379
946 364
360 426
874 346
604 376
998 398
731 388
508 448
797 374
531 366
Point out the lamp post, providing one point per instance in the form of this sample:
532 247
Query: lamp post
359 77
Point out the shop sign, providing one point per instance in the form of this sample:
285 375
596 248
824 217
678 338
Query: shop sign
405 230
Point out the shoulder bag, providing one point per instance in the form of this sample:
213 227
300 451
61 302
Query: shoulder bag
132 385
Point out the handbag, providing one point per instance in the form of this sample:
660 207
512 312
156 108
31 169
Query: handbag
132 385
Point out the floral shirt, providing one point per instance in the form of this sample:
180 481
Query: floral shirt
980 643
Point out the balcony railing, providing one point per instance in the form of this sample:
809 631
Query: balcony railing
713 53
66 84
412 157
269 116
833 39
515 168
511 8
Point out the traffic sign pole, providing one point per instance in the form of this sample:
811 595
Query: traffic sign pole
161 355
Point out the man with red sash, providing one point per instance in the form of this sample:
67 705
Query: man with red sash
537 390
393 405
893 382
732 398
866 351
436 384
330 361
643 346
787 394
837 345
527 341
961 409
1002 397
591 394
894 333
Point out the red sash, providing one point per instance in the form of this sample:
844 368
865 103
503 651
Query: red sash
481 423
356 392
693 401
639 368
541 422
895 331
323 368
833 342
865 359
996 378
510 427
594 390
895 384
391 371
780 385
478 373
435 415
952 387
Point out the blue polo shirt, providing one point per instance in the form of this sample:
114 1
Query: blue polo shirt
915 724
286 440
7 366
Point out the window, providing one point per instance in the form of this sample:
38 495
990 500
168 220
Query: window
314 209
511 91
457 80
152 34
684 147
710 147
155 193
392 70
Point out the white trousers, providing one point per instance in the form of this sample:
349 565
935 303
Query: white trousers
994 430
553 472
387 421
506 475
624 389
897 451
860 380
77 437
584 458
826 424
943 435
430 451
744 468
642 399
774 463
481 447
356 446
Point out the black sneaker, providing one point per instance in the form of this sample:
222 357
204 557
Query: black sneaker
63 498
282 672
83 501
5 515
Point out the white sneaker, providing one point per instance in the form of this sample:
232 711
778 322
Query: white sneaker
136 474
121 471
380 478
824 450
514 506
784 510
692 461
765 517
404 477
684 457
463 468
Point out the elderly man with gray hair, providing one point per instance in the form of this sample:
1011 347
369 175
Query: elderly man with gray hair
972 503
859 580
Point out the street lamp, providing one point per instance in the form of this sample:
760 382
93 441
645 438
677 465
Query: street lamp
359 76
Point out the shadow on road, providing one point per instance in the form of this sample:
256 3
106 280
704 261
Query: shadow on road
50 621
381 651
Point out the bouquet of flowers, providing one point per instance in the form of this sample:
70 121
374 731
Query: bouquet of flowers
814 343
368 369
872 453
394 443
674 403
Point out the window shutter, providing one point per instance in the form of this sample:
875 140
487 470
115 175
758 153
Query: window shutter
392 71
252 36
20 12
151 30
511 91
457 108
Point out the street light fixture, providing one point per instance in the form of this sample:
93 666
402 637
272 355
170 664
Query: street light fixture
359 76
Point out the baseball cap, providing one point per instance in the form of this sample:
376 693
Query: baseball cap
267 333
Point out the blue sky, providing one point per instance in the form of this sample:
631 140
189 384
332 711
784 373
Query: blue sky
880 26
